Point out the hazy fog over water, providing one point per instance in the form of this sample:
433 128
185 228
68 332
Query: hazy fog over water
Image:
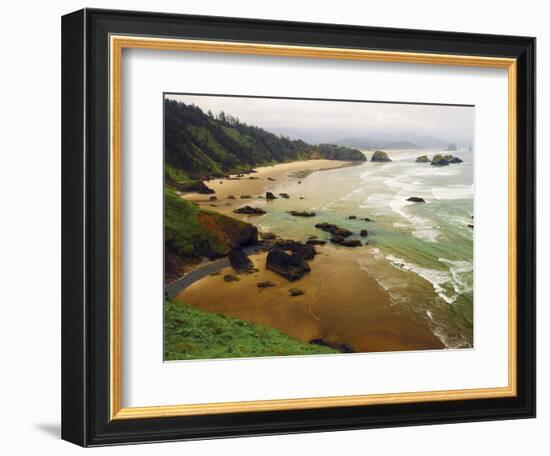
331 121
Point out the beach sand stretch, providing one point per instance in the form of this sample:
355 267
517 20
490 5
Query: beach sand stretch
341 303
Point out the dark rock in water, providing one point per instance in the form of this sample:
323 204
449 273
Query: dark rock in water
470 225
316 242
366 219
334 229
270 196
439 160
345 242
380 156
249 210
295 292
212 198
363 233
266 284
239 261
230 278
267 236
307 251
352 217
292 267
245 197
416 199
302 213
284 195
271 179
231 197
422 159
456 160
301 197
342 348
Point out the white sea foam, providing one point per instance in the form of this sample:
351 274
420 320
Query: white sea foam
453 192
351 195
424 228
435 277
458 270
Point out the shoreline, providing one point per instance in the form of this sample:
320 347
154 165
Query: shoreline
255 185
341 304
330 298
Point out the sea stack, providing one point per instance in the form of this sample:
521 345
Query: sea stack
380 156
422 159
439 160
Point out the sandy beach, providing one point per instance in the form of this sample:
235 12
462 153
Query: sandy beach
267 178
340 304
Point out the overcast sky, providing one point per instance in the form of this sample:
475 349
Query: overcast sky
324 121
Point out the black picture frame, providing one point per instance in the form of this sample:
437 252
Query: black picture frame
85 225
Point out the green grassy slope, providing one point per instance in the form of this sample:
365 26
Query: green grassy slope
191 233
190 333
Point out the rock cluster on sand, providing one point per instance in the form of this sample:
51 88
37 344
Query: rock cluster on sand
363 233
270 196
295 292
267 236
335 230
302 213
284 195
342 348
292 266
230 278
305 250
380 156
250 210
345 242
289 258
190 186
239 261
315 242
416 199
266 284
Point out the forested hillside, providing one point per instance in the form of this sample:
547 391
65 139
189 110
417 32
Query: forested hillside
200 145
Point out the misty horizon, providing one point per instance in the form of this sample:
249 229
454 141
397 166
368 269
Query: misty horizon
319 121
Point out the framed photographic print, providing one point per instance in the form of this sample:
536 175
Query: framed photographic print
278 227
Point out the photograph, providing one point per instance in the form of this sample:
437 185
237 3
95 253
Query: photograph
316 227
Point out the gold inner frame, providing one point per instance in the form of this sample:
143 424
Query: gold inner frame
117 44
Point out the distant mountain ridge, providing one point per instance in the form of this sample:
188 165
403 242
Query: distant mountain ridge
200 145
405 141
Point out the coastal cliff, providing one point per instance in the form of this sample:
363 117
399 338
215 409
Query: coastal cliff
191 233
200 145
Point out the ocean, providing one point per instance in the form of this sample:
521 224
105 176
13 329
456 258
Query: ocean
420 253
